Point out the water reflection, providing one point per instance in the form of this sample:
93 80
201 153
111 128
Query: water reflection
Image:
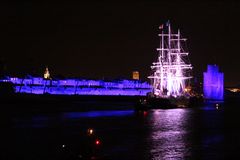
193 133
168 137
95 114
35 121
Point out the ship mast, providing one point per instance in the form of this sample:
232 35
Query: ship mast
170 71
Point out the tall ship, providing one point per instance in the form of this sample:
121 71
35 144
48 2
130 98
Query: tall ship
171 73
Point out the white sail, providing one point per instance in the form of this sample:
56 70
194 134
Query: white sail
171 71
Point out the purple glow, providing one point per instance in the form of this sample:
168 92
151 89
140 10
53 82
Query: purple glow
37 85
213 83
92 114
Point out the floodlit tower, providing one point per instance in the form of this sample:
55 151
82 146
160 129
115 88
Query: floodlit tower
213 83
135 75
46 74
171 70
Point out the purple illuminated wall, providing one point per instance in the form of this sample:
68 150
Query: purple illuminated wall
38 85
213 83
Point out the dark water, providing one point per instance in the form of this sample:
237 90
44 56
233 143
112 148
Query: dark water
194 133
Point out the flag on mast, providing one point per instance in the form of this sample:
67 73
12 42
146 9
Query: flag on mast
161 26
168 23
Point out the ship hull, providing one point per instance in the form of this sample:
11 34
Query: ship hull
168 103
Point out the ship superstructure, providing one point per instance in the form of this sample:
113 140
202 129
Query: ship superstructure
171 70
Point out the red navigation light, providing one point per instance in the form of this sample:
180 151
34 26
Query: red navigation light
145 113
97 142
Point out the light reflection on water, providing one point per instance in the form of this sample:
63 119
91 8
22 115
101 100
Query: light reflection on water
156 134
168 135
95 114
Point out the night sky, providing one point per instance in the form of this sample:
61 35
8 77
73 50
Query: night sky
110 40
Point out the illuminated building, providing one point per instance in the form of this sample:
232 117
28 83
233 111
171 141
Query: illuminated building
213 83
46 74
135 75
38 85
235 90
171 70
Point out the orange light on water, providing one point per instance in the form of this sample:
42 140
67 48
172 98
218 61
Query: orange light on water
90 131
